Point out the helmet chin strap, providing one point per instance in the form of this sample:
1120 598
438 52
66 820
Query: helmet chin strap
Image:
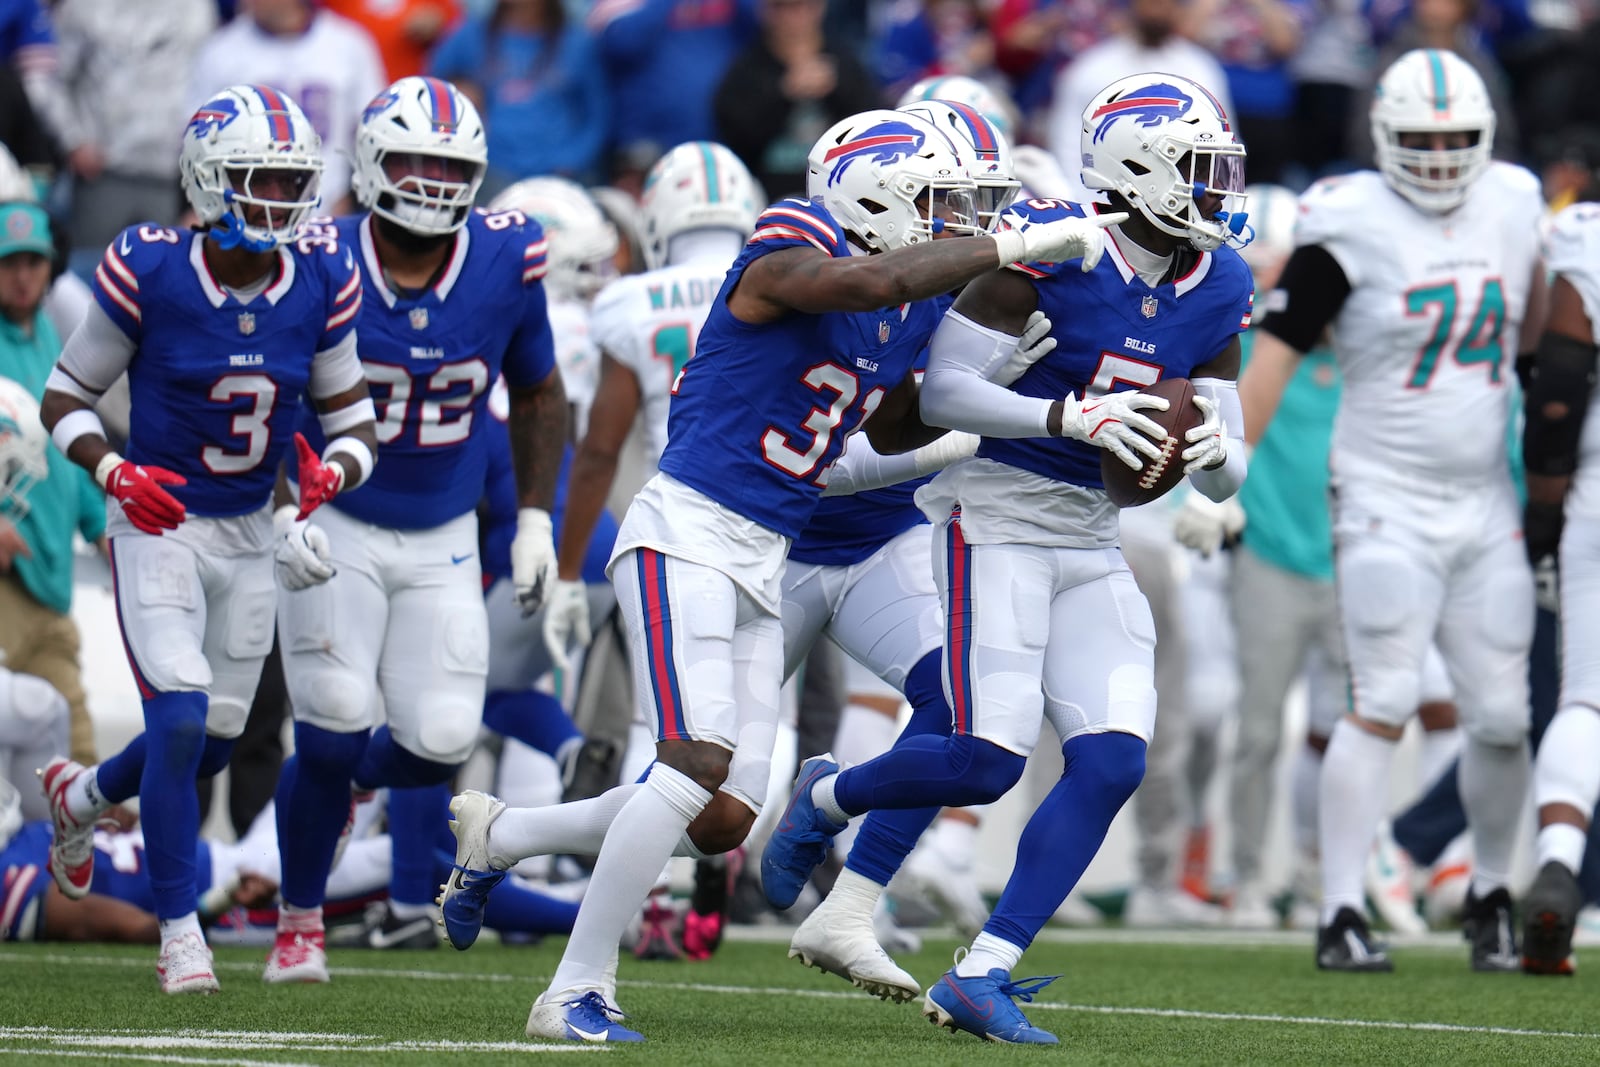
229 232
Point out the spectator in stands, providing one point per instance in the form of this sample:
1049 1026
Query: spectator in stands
1151 42
405 30
1331 68
125 106
539 84
939 37
24 136
326 63
784 92
1035 38
664 60
1255 39
28 45
37 634
1447 25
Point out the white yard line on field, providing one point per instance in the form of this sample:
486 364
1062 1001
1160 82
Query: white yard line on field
101 1056
840 994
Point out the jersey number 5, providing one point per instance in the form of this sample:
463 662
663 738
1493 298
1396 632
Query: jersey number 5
777 446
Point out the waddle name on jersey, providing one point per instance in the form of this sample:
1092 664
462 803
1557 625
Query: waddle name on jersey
699 294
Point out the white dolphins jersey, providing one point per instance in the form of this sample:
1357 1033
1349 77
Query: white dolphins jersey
1572 251
649 323
1427 338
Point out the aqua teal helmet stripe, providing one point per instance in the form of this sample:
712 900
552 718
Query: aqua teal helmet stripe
1441 99
710 160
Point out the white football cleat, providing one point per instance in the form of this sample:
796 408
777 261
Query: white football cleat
949 882
297 956
846 947
72 844
185 966
587 1018
1075 911
1388 879
1252 910
1167 906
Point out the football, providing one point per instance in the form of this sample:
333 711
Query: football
1127 487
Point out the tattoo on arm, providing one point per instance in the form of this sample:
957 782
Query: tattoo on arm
538 435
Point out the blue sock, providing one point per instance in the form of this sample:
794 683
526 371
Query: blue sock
1064 833
388 765
536 719
415 817
515 908
887 837
169 809
118 777
313 803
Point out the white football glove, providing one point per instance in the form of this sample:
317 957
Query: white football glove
1034 344
1113 422
533 559
566 620
302 555
1205 525
1055 241
1206 447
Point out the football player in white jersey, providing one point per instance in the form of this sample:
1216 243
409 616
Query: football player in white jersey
1562 452
1428 270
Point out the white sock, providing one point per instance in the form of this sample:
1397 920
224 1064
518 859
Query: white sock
1494 783
638 845
579 827
852 898
1350 803
1563 843
172 929
864 733
85 802
1568 768
1305 781
293 920
987 953
822 797
1439 748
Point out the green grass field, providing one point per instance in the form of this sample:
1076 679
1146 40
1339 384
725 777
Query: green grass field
1124 999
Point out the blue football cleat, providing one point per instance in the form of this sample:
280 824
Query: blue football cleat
588 1018
984 1006
802 838
464 895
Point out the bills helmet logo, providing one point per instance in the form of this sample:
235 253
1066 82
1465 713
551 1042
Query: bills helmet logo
212 116
1149 106
885 143
380 103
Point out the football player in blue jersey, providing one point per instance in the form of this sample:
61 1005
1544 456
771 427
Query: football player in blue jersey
221 332
391 603
1026 537
815 328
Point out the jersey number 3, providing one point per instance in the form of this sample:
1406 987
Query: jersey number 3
781 451
251 425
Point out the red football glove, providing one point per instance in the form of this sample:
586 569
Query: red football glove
147 505
319 482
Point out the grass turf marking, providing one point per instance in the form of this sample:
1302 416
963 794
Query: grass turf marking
736 990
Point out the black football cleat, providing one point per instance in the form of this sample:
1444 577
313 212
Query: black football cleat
1490 929
1550 913
1348 945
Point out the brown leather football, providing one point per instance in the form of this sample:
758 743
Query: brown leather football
1127 487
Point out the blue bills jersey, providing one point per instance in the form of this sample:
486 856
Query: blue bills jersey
119 872
1114 332
762 410
431 358
848 529
216 382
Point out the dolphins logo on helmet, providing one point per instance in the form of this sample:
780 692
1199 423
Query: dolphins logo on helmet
1149 106
216 114
887 142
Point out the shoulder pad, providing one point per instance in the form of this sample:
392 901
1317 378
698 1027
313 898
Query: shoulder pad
797 221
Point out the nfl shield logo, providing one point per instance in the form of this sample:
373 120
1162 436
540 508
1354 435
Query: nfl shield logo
883 333
419 318
1148 306
247 323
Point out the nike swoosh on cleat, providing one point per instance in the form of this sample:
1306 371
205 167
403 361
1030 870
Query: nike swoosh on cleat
584 1035
390 938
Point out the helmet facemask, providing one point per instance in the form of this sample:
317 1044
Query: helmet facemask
1204 201
1432 168
426 193
944 206
266 198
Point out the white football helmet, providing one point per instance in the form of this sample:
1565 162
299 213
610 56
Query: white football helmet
583 243
960 89
250 146
699 185
420 156
23 463
1427 91
1161 142
983 149
880 174
15 184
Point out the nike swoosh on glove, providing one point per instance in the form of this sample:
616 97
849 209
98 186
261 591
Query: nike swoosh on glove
1113 422
146 504
533 559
